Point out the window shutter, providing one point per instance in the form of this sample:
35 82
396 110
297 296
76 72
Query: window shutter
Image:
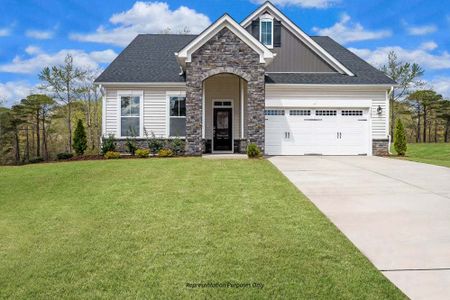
255 29
277 33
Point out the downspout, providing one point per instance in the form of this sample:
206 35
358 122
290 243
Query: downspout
388 117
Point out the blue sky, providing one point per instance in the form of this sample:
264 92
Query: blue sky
34 34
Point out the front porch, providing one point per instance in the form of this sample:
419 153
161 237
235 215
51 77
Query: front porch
224 119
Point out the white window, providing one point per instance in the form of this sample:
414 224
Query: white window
352 112
130 114
177 116
274 112
266 30
299 112
325 113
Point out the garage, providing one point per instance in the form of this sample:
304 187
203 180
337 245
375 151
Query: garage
317 131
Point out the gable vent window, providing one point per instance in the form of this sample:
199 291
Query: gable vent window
266 28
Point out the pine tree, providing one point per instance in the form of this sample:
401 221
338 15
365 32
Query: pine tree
79 139
400 139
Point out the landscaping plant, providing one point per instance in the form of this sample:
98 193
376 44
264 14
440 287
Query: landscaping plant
165 153
79 139
400 139
142 153
253 151
108 144
64 155
112 155
131 145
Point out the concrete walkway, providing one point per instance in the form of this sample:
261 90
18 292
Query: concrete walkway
396 212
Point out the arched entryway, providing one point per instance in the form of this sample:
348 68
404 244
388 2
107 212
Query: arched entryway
224 114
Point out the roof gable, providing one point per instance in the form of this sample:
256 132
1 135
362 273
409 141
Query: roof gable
306 39
184 55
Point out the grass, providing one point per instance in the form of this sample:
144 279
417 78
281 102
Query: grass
145 228
435 154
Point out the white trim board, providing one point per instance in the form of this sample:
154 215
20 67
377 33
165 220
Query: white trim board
300 34
184 55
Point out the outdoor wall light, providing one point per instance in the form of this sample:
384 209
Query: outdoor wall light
379 110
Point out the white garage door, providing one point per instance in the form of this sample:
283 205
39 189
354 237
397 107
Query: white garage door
317 131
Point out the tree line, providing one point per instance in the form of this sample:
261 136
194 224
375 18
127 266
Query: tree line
424 112
40 126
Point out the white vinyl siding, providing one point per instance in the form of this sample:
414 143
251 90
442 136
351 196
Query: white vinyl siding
154 109
342 96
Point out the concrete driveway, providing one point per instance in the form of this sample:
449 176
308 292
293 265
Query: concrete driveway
396 212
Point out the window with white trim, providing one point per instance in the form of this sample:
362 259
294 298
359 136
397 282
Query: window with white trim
266 31
130 116
177 116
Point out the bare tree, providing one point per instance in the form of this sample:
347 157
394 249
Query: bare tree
407 76
91 96
64 82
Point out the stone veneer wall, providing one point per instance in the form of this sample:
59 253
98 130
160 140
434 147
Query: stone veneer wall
380 147
224 53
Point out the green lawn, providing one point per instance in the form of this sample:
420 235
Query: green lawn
146 228
435 154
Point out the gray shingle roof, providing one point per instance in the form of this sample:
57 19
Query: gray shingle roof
150 58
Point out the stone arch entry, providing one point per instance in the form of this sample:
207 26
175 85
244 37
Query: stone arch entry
224 53
225 70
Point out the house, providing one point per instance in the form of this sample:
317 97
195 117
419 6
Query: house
262 81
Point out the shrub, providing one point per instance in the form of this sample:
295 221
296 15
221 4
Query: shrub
108 144
112 155
253 151
153 143
64 155
165 152
400 139
177 146
36 160
131 145
79 139
142 153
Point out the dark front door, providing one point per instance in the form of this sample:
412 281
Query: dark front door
222 131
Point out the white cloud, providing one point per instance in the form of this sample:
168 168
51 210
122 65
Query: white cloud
431 45
441 85
421 30
40 59
345 31
421 55
14 91
5 32
301 3
39 34
146 17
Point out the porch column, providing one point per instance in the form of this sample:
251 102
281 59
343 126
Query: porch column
255 108
194 115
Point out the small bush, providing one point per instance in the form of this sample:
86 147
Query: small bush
400 139
79 139
108 144
112 155
153 143
36 160
131 145
142 153
64 155
253 151
177 146
165 152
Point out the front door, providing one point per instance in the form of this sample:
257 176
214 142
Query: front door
222 130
